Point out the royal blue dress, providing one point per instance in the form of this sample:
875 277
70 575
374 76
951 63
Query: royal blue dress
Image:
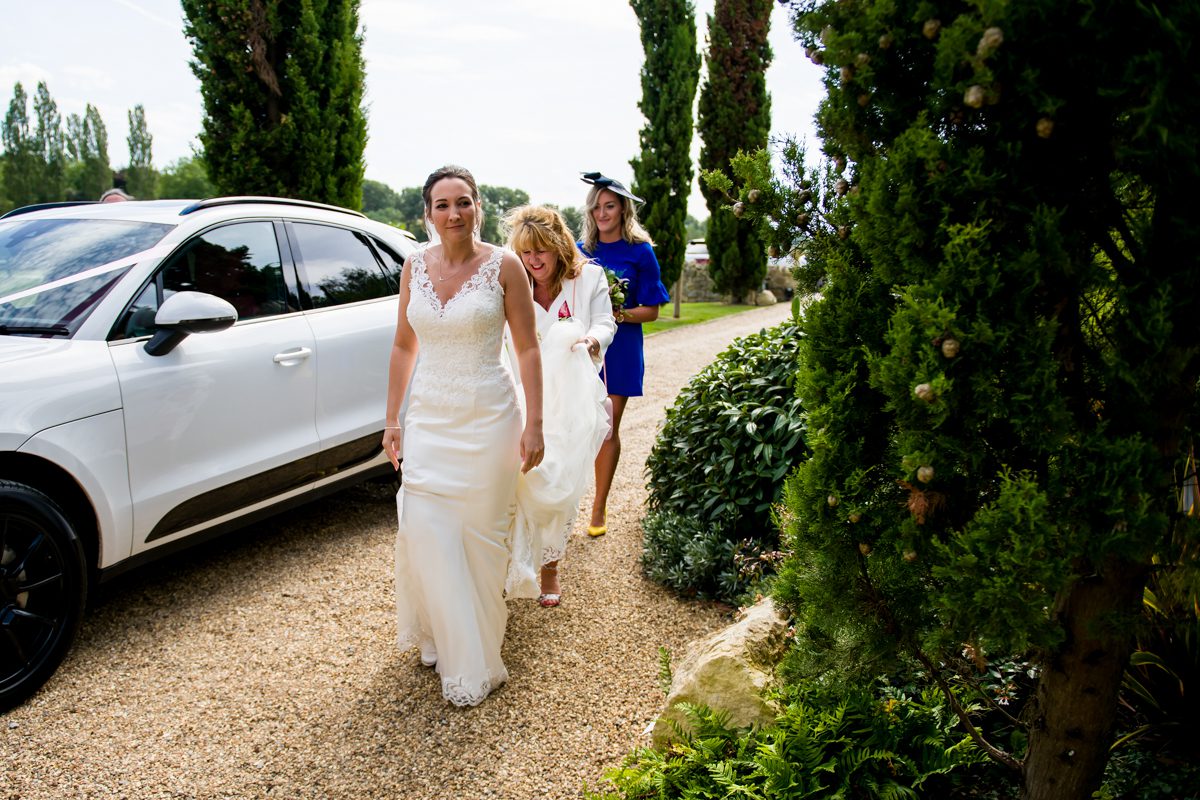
624 363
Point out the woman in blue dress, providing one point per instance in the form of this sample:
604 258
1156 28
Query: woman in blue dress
613 237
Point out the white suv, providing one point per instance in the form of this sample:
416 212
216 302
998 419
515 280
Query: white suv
171 370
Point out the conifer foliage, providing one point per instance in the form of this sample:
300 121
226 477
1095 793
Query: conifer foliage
140 176
662 173
282 84
21 164
1001 377
735 116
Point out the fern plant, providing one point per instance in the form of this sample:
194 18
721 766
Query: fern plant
825 743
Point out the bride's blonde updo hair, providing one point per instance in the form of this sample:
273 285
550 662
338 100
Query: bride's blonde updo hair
543 228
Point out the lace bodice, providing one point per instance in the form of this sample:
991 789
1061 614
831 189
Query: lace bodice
459 341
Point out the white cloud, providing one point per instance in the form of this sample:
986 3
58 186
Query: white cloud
25 73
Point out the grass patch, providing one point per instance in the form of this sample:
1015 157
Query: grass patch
690 314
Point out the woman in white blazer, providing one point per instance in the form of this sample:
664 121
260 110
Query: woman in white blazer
575 325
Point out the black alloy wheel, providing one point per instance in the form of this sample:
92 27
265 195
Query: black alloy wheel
43 586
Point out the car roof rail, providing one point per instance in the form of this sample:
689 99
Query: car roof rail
16 212
214 202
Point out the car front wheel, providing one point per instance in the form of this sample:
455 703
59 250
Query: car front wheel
43 586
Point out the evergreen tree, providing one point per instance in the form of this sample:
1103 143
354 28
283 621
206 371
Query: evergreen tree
6 205
1001 374
51 149
22 170
87 143
662 173
735 116
282 85
140 177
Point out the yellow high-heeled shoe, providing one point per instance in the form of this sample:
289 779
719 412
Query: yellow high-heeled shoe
599 530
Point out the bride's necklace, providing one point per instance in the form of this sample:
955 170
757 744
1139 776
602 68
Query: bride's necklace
444 273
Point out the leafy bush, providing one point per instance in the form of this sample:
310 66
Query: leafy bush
1159 702
732 435
718 464
1137 774
825 743
691 556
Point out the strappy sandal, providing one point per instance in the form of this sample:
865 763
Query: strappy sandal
550 599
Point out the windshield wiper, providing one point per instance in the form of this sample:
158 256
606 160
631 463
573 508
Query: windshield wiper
54 330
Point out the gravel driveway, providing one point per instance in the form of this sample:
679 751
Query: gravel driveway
263 665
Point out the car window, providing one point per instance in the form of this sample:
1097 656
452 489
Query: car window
340 265
53 272
393 262
239 263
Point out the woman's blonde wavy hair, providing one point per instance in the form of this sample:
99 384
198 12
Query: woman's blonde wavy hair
631 229
543 228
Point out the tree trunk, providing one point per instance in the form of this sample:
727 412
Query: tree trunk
1077 691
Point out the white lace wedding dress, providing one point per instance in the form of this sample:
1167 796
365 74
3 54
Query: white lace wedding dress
461 460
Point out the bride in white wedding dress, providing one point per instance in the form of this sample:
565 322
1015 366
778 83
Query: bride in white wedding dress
462 439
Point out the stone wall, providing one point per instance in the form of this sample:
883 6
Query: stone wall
697 285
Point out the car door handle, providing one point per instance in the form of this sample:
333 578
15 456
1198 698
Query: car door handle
290 357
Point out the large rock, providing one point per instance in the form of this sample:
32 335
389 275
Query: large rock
780 281
728 671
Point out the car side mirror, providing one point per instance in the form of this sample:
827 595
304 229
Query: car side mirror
185 313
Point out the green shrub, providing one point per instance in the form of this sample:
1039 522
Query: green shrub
1138 774
718 465
691 556
826 743
1159 703
732 435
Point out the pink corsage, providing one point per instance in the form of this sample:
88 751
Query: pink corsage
563 311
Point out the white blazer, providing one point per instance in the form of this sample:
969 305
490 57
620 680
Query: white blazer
586 297
587 300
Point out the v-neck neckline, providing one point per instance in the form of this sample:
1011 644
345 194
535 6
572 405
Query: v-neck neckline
473 278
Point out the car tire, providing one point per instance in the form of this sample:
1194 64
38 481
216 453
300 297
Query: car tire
43 588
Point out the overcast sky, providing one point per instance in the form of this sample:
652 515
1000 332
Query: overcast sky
524 93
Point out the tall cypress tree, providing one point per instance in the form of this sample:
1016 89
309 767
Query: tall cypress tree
139 175
1001 372
735 115
50 147
21 165
87 143
662 174
282 84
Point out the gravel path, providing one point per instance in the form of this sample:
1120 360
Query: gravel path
262 665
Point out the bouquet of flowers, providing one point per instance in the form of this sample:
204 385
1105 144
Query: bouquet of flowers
616 291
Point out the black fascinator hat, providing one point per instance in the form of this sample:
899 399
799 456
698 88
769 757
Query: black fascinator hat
613 185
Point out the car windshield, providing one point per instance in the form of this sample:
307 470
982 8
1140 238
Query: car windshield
53 272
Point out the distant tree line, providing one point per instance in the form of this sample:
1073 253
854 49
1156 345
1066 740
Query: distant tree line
48 158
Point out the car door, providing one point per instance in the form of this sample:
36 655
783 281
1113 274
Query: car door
351 296
226 421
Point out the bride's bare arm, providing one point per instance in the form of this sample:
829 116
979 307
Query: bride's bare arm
400 367
518 311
